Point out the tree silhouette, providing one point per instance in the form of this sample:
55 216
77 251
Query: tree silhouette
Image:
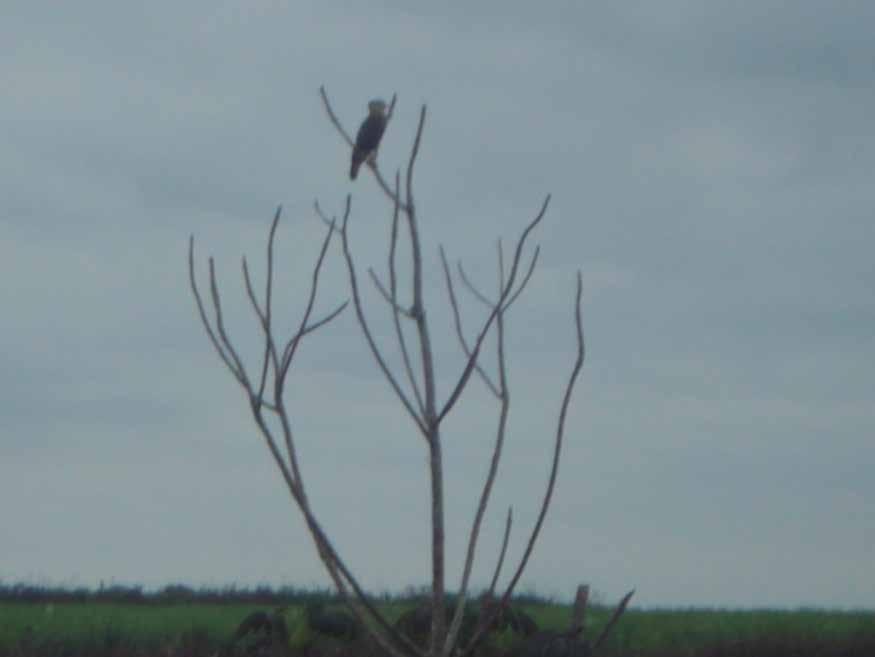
414 387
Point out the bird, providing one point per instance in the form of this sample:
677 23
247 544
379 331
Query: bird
369 135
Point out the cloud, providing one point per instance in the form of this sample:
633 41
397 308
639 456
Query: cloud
710 168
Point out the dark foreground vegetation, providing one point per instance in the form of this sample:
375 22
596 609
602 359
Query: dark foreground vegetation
181 622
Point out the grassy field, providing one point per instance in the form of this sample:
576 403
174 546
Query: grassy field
102 628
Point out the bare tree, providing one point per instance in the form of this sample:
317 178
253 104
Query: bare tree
415 389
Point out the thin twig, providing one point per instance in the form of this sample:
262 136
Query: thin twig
497 608
457 319
393 286
413 153
363 323
557 449
614 618
387 296
321 322
333 117
469 367
264 316
262 379
292 345
507 525
525 281
220 326
203 315
475 292
500 265
289 354
504 396
268 305
324 217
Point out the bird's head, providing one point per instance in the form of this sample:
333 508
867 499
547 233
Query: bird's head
377 106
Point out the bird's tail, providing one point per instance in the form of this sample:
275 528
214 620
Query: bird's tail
357 158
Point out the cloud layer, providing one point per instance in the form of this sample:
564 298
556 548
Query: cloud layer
710 167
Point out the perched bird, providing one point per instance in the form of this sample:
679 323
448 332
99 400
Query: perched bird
369 135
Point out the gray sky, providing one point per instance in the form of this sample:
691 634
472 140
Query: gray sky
711 166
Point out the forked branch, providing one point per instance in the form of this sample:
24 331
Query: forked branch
276 366
505 293
554 469
419 395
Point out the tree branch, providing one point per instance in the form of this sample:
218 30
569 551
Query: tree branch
387 297
525 281
393 286
363 323
223 335
457 317
466 373
507 525
290 471
504 397
292 345
264 316
613 620
475 292
203 316
557 449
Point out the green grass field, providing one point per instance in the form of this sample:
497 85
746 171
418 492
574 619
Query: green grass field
93 628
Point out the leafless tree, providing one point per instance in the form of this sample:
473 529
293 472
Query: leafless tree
415 389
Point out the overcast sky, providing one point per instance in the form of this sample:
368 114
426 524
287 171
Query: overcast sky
711 165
